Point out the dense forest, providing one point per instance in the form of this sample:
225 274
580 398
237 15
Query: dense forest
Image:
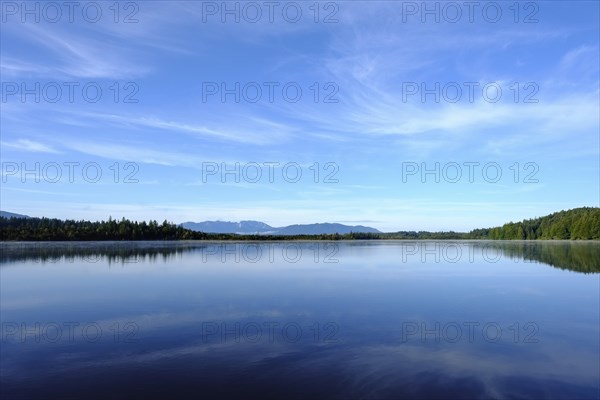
44 229
51 229
577 224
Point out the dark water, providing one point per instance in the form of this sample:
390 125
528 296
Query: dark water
300 320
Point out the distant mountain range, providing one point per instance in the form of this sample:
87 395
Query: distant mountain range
257 227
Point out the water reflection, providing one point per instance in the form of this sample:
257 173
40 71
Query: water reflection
110 252
331 319
574 256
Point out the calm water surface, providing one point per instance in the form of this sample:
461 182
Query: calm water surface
359 319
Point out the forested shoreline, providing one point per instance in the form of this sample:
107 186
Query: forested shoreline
576 224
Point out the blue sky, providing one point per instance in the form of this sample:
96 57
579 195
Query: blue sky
379 103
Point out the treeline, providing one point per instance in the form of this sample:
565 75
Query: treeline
45 229
52 229
576 224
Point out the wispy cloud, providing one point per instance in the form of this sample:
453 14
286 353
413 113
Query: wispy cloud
70 55
369 54
140 153
242 129
30 146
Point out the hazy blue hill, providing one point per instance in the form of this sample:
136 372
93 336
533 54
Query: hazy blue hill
326 228
7 214
253 227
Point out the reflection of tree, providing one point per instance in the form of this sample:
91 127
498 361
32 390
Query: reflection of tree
580 257
112 252
574 256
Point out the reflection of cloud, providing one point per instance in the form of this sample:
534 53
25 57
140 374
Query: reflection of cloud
362 371
473 369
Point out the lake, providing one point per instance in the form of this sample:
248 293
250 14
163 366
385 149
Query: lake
357 319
